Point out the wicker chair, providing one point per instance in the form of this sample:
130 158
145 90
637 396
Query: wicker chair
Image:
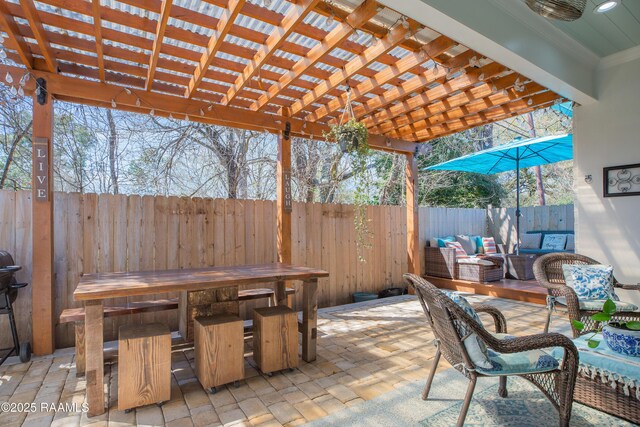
547 270
451 326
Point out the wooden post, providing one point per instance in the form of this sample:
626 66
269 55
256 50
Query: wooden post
284 206
94 356
413 229
42 228
309 319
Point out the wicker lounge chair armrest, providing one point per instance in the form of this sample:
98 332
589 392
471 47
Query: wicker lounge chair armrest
499 320
533 342
628 287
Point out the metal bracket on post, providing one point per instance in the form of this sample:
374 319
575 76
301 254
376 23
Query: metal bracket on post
287 130
41 91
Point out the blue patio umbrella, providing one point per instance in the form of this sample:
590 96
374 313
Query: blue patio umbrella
517 154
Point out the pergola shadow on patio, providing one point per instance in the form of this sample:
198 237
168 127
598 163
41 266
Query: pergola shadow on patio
281 67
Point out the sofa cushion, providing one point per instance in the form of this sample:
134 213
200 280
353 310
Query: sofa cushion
475 260
489 245
460 252
475 346
554 242
590 282
571 243
443 240
530 241
479 246
468 243
539 251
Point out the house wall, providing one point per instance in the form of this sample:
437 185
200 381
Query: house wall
607 133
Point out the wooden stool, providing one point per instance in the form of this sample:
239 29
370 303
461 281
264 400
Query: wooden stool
275 338
219 347
144 365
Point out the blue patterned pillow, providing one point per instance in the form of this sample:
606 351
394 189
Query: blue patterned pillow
590 282
475 346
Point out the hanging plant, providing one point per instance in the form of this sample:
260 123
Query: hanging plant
352 137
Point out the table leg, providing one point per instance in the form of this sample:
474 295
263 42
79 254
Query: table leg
80 349
281 295
94 330
309 319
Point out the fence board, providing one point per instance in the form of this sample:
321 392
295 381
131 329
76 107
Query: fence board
96 233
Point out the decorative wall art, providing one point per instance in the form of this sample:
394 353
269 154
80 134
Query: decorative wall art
622 180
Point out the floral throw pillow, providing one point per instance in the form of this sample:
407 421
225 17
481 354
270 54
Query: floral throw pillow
475 346
590 282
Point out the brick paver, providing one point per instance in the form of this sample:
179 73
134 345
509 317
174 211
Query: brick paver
364 351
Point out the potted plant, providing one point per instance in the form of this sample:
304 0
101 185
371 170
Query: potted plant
621 337
352 136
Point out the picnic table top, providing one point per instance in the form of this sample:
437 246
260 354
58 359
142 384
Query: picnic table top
98 286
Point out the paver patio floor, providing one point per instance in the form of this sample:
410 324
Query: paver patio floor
364 350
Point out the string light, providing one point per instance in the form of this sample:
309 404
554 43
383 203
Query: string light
329 22
13 91
530 101
186 117
170 116
209 107
127 90
3 54
481 76
266 3
20 91
201 112
8 78
405 23
138 103
494 88
113 103
152 112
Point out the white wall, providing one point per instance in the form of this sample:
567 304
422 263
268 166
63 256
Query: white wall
607 133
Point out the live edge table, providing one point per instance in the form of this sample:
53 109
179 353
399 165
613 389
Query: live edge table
94 288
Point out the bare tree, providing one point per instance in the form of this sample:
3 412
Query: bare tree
536 169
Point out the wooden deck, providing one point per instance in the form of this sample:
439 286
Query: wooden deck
519 290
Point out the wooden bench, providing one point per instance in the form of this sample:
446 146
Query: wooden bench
77 315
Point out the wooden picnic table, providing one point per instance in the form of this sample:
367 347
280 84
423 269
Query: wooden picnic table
94 288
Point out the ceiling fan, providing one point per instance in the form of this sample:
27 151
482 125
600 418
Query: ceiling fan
564 10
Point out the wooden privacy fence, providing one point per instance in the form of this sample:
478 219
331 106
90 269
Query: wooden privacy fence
97 233
502 221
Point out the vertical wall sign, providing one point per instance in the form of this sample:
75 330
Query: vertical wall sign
41 169
288 202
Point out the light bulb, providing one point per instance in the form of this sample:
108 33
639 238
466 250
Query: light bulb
152 112
127 90
494 88
405 23
8 78
201 112
138 102
329 21
13 91
481 76
20 91
266 3
530 101
186 117
170 116
3 54
113 103
209 107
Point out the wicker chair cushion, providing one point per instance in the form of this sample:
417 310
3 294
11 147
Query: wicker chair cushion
475 260
475 346
555 242
597 304
524 362
590 282
468 243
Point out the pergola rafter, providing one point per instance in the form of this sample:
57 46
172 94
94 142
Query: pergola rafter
31 14
340 33
97 25
165 12
16 39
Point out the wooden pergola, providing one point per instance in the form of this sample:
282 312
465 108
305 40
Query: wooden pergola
279 66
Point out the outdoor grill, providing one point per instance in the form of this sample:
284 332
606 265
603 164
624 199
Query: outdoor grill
8 294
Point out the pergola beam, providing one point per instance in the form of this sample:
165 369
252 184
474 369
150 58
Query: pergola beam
371 54
340 33
278 36
30 12
9 25
97 26
224 26
433 49
165 12
101 94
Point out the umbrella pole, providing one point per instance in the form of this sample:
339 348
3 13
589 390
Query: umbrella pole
517 201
